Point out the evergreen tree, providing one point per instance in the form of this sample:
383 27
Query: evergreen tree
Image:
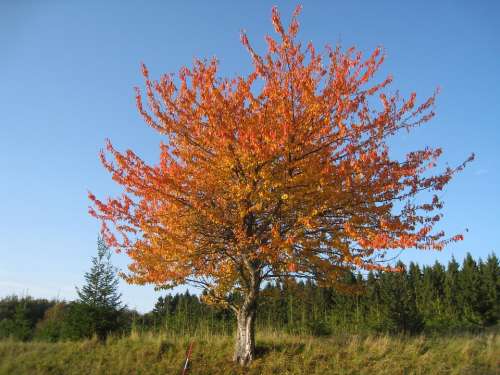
21 329
431 298
399 301
470 288
99 298
489 305
452 294
372 298
413 321
18 316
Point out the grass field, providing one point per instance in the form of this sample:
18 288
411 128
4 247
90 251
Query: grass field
277 354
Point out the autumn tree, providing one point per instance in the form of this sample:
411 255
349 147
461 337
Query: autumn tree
285 172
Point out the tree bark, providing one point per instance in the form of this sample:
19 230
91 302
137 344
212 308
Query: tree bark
244 351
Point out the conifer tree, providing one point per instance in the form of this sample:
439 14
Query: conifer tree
469 285
21 329
437 297
452 293
373 299
489 305
99 298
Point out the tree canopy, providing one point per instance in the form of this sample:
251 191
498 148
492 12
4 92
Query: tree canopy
286 171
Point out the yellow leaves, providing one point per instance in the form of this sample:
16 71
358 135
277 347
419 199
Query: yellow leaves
256 207
384 224
348 183
243 177
306 222
315 108
275 232
349 230
357 261
290 241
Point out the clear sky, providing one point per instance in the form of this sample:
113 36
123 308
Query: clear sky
67 72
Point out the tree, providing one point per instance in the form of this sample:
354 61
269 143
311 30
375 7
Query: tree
470 286
400 300
19 315
452 293
285 172
22 326
99 297
52 326
490 290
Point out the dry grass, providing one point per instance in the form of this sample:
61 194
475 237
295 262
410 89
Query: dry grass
277 354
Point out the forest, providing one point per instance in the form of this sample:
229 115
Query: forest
420 299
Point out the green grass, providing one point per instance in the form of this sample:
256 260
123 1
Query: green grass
277 354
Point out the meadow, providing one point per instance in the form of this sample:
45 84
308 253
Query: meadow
156 353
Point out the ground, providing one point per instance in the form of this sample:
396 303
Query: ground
277 354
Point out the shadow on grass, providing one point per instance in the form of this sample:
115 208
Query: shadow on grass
164 348
264 350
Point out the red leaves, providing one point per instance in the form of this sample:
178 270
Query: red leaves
288 165
278 27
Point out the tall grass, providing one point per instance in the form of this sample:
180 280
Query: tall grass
162 353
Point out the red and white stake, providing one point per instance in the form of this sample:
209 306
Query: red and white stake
188 356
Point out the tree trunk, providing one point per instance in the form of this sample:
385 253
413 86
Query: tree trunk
244 351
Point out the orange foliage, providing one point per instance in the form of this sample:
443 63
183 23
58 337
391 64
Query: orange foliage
286 171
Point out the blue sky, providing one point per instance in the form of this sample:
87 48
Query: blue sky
67 72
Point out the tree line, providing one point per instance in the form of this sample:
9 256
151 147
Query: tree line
431 298
438 298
